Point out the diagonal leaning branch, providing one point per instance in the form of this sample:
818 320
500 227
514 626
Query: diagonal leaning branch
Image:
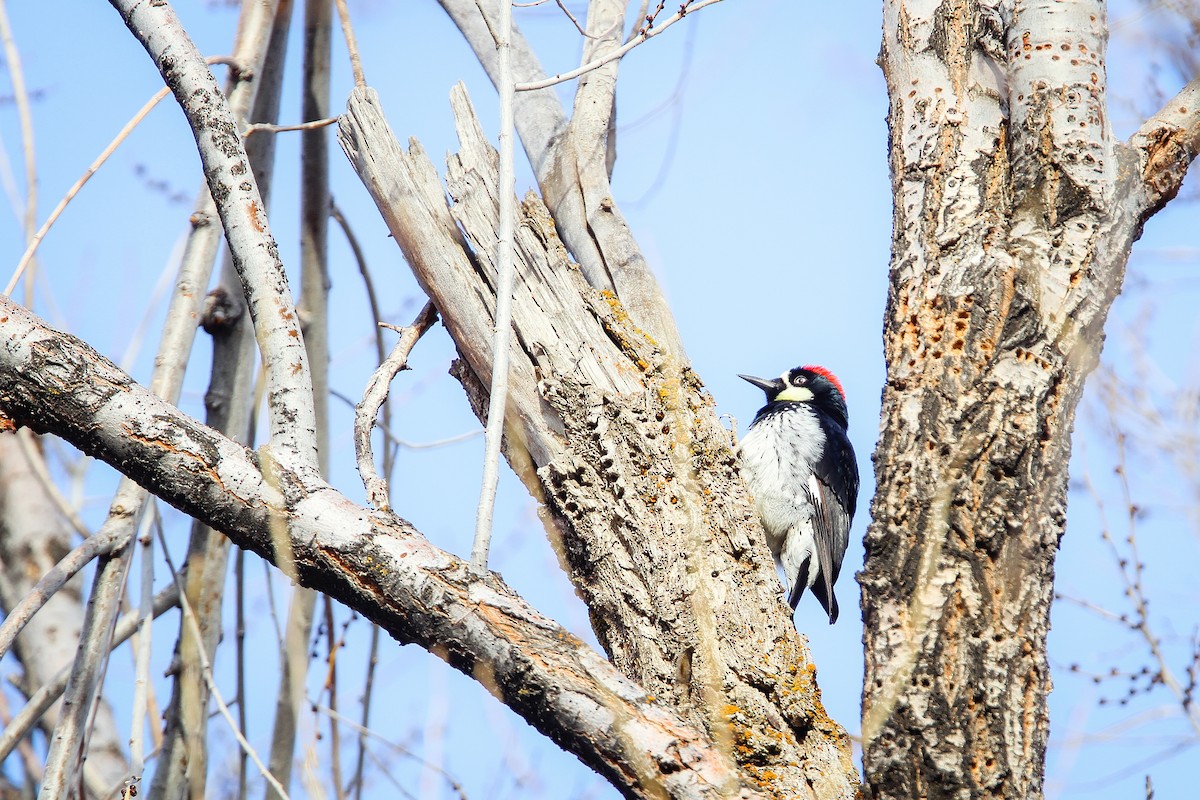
375 563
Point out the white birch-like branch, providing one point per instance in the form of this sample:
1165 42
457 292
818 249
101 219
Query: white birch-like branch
314 318
498 391
240 205
1168 142
375 563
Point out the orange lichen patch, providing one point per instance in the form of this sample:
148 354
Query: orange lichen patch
255 216
622 318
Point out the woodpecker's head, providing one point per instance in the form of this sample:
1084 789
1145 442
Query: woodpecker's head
808 384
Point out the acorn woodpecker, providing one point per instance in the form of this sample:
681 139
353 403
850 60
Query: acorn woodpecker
800 467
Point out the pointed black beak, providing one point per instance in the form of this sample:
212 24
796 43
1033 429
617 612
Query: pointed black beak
768 385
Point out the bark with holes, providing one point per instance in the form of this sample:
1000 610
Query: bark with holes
1015 212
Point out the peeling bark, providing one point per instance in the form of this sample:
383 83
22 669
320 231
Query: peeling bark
1015 212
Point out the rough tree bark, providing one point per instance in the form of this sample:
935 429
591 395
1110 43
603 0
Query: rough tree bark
1015 210
1015 213
620 443
373 562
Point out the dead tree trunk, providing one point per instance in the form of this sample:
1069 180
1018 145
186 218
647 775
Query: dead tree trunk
616 437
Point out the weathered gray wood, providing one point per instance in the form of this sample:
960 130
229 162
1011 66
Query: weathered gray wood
374 562
619 441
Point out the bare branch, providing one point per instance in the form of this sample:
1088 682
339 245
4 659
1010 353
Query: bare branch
122 135
1168 142
263 127
189 616
35 239
375 563
645 34
313 311
41 700
253 89
92 548
293 424
374 396
12 61
498 391
351 43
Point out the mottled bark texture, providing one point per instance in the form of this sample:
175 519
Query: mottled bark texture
619 441
1015 212
373 562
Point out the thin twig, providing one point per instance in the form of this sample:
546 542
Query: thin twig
1136 594
12 60
68 744
331 681
206 671
239 570
141 683
374 396
408 444
498 393
264 127
644 35
641 15
351 43
399 748
102 543
363 726
356 783
30 761
37 465
574 21
361 260
121 136
41 700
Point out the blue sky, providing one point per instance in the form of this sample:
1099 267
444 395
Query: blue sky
753 169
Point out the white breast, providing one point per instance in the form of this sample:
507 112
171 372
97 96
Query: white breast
778 454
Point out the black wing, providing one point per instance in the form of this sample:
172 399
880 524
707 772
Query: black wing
836 479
